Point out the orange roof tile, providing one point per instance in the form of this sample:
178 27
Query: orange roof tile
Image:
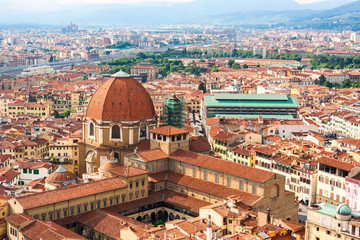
64 194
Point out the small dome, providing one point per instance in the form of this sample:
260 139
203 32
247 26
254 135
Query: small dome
61 175
343 210
109 165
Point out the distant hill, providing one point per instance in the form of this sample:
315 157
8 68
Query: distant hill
342 18
233 12
346 17
258 17
349 8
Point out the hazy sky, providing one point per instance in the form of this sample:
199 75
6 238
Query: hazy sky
40 6
40 3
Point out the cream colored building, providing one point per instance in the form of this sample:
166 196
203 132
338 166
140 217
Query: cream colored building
326 221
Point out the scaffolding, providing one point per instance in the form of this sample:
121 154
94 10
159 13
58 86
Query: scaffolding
174 112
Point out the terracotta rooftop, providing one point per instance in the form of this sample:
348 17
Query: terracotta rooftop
128 171
73 192
220 165
152 155
224 135
168 131
204 186
336 163
40 230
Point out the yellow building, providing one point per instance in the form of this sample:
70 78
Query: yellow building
242 156
32 148
4 212
74 148
221 142
22 108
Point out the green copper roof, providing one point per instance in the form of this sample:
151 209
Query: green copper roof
331 210
289 116
251 97
251 100
343 209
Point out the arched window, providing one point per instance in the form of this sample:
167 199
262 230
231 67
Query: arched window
332 182
321 178
115 132
143 131
92 129
326 180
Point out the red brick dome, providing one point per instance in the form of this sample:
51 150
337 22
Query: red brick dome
120 98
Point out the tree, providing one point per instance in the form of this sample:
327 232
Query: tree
336 85
236 66
328 84
86 77
202 87
215 69
158 222
346 83
234 53
52 59
245 66
230 63
322 80
56 114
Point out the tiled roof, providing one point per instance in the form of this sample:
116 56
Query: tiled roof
152 155
19 219
40 230
336 163
8 176
128 171
199 144
168 131
110 223
224 135
34 165
64 194
220 165
205 186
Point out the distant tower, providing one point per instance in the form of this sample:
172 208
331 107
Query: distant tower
174 112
